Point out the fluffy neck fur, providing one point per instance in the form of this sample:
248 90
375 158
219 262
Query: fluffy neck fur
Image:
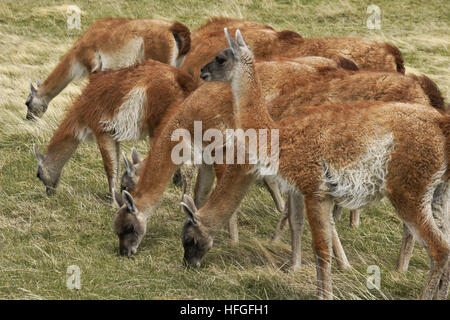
249 108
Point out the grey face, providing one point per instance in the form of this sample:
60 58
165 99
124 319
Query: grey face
50 184
196 244
130 177
129 231
50 180
36 106
128 182
221 68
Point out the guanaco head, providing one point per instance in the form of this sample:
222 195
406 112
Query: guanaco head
36 104
228 61
130 177
196 240
49 177
129 225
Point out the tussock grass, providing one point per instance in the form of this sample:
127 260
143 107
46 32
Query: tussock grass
41 236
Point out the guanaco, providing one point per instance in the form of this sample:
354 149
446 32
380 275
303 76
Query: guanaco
349 153
111 43
278 79
267 43
116 105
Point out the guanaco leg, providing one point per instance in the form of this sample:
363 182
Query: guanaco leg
110 151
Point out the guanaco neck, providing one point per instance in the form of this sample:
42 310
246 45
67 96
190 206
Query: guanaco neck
224 201
158 167
250 112
249 108
61 148
59 78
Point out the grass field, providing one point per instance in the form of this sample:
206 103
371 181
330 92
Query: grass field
41 236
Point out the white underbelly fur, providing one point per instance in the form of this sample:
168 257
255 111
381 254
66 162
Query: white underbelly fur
357 184
362 181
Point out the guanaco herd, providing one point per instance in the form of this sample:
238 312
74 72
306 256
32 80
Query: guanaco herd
353 128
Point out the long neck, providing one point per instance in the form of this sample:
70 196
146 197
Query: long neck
61 147
224 200
158 167
65 71
249 108
155 176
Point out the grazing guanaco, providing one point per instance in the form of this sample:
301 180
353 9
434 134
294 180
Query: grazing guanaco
346 153
268 43
111 43
212 104
119 105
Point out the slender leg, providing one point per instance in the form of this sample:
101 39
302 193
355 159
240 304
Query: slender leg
441 214
233 228
438 250
274 190
281 225
442 291
203 184
295 208
406 250
272 185
339 253
434 240
318 212
110 151
354 218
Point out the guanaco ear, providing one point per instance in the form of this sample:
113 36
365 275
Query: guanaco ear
119 198
233 45
129 168
33 90
240 39
135 157
189 208
38 155
129 202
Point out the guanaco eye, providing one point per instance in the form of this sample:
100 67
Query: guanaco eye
220 60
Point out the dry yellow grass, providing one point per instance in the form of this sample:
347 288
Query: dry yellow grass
41 236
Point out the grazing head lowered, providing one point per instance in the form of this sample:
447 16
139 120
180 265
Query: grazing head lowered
49 177
195 238
36 104
129 226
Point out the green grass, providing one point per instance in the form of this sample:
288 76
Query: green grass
41 236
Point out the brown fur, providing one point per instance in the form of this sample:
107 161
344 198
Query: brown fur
287 35
183 33
432 91
445 126
267 43
108 36
165 86
398 58
213 24
335 136
347 64
212 103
